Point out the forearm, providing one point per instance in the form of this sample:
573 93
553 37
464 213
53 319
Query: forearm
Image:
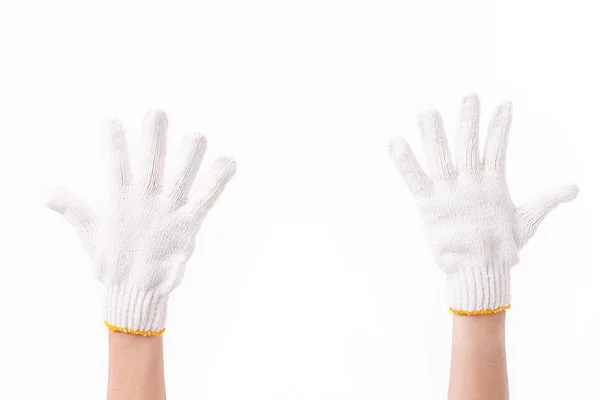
478 367
136 368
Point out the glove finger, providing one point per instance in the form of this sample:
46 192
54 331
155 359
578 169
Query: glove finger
467 137
119 156
154 130
77 213
190 156
211 188
533 213
408 166
436 145
494 154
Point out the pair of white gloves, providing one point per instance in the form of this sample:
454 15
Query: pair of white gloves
140 245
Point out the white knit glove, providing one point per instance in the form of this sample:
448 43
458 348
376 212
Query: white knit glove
470 221
140 246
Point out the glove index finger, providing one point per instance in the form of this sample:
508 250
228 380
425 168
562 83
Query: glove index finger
404 159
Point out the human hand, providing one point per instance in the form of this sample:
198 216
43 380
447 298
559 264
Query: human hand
139 247
471 223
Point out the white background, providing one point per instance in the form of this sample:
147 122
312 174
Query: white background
312 279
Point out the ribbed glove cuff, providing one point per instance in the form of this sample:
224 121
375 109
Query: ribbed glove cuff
479 290
132 310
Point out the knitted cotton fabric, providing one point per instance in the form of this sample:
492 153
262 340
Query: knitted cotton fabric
470 221
140 245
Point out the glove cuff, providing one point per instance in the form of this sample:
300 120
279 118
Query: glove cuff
479 290
134 310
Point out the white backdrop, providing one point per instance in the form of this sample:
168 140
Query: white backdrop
311 278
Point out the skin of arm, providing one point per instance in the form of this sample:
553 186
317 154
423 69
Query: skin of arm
136 367
478 367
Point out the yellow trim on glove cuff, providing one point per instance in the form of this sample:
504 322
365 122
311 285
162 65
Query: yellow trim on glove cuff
134 331
480 312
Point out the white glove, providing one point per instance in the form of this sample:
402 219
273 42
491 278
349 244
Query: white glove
470 221
140 246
